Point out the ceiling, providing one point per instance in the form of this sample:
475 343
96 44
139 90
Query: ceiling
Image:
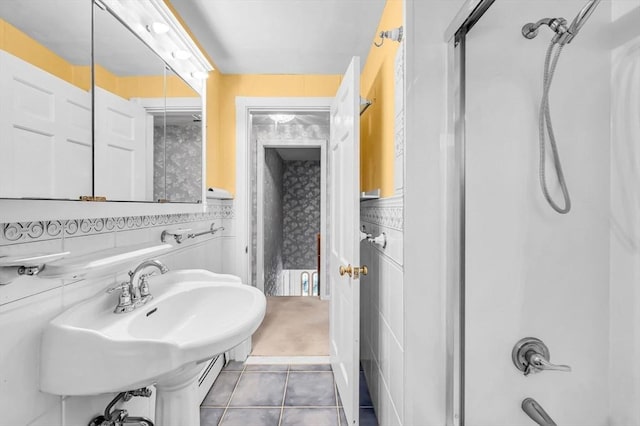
64 27
299 154
241 36
305 119
282 36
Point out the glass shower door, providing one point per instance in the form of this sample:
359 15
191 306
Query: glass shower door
528 271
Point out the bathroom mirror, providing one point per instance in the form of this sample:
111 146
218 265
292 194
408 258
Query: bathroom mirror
45 99
178 158
135 90
49 147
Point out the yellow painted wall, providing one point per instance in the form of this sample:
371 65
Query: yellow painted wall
215 170
377 123
221 139
148 86
19 44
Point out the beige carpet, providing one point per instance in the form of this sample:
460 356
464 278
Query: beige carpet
293 326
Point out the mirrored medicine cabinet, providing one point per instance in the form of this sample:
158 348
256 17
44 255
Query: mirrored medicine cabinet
98 99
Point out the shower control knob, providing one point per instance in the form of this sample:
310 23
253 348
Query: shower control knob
531 355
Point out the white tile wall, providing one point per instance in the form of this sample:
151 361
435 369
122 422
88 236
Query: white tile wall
381 311
27 304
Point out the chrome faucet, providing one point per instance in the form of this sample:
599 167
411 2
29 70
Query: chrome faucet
139 287
136 293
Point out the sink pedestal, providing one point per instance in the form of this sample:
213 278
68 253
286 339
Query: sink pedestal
177 398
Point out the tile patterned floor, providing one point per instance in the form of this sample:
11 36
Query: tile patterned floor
279 395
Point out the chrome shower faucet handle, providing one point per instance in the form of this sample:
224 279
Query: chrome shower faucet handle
531 355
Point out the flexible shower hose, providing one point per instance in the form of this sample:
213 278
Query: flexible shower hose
544 124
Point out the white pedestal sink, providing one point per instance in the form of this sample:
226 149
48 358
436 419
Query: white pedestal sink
194 315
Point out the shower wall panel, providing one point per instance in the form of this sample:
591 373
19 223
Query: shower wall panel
529 270
624 325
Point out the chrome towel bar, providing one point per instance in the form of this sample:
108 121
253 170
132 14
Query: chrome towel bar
185 233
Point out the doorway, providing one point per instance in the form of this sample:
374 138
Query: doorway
343 144
289 196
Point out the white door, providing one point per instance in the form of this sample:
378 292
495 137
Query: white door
344 201
120 148
45 133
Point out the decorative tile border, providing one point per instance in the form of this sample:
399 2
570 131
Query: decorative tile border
388 212
20 232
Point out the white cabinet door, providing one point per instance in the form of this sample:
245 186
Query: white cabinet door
120 148
45 133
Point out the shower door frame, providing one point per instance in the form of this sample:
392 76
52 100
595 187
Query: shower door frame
455 181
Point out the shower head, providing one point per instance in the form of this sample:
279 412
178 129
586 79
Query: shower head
564 34
579 21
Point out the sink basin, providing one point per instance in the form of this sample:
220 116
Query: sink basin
194 315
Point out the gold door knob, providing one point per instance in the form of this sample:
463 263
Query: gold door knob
362 270
354 271
346 270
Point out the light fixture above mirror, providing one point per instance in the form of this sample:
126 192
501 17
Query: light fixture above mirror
169 40
158 28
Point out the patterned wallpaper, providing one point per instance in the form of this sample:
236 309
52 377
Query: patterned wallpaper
273 187
184 162
301 209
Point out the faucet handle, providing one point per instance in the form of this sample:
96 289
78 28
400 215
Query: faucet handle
144 284
531 355
125 301
122 286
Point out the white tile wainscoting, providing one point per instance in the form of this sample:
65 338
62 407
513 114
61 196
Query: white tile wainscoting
381 308
28 303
